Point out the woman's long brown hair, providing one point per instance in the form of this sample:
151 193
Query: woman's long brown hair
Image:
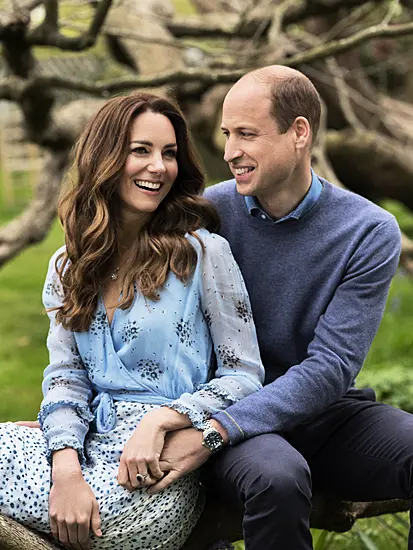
90 216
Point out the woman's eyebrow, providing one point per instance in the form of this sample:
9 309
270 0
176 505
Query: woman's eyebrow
142 141
150 144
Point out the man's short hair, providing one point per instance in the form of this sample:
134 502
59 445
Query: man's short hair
292 97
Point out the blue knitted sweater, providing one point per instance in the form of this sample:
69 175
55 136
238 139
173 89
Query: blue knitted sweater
318 287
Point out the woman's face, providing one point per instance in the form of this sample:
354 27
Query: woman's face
151 166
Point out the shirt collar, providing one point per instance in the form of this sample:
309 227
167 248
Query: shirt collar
254 208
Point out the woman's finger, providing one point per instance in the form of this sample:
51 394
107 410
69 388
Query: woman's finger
62 535
72 532
95 522
123 475
83 530
143 476
132 472
54 528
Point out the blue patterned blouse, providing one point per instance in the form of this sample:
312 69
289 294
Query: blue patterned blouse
155 352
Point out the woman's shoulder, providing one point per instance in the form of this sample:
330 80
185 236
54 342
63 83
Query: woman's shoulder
52 262
212 242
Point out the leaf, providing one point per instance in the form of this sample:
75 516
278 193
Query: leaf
321 541
366 540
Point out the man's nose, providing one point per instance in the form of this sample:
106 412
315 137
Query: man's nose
231 152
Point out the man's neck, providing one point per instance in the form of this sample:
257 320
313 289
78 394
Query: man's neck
283 201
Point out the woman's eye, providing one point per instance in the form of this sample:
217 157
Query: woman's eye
139 150
170 153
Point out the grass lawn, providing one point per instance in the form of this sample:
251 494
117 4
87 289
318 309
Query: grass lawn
23 329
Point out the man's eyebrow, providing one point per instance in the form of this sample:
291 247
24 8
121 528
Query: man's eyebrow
150 144
241 128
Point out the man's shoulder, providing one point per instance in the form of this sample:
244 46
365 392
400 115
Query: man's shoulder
352 204
222 190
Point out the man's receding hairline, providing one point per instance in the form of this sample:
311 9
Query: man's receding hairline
273 75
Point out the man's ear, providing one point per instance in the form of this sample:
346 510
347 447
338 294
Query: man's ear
302 131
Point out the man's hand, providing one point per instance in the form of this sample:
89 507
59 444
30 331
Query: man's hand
28 423
183 452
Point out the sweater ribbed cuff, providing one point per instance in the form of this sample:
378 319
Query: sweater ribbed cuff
234 430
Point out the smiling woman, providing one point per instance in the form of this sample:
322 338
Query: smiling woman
140 299
151 167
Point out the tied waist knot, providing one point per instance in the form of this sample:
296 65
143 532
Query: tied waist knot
103 408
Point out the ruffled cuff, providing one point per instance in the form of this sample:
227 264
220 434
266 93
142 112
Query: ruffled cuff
216 391
201 405
197 417
59 443
82 411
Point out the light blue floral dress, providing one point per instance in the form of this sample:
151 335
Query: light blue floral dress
100 383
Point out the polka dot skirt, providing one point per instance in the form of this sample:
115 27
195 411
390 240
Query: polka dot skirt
130 521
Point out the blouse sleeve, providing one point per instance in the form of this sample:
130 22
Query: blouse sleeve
64 413
227 310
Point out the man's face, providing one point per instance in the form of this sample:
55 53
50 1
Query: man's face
261 159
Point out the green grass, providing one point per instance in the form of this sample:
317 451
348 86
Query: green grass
23 329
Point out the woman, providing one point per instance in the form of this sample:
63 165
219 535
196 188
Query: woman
138 299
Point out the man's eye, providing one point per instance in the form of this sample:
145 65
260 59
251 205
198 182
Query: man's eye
140 150
246 134
170 153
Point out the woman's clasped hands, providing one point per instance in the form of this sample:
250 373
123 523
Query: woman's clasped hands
139 463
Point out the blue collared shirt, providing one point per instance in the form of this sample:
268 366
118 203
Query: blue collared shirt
311 198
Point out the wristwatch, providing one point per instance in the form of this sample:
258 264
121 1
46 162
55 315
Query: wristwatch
212 439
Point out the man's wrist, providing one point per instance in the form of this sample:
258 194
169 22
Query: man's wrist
222 431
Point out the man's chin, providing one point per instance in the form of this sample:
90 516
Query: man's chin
245 189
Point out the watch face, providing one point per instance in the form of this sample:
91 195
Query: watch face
213 441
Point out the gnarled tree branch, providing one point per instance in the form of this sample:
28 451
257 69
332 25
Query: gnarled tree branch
34 223
47 33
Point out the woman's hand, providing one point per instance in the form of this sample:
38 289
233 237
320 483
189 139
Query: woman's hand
73 511
73 508
141 455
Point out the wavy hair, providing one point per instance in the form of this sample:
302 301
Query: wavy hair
90 214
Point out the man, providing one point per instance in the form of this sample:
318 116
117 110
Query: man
317 262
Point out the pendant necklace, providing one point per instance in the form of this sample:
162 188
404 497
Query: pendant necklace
115 274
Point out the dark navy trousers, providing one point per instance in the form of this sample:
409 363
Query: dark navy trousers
357 450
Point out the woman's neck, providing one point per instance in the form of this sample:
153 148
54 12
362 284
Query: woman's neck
129 231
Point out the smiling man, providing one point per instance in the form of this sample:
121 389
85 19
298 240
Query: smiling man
317 261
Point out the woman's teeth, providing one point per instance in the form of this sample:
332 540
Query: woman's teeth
149 185
240 171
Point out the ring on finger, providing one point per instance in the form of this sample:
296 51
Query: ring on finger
140 478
